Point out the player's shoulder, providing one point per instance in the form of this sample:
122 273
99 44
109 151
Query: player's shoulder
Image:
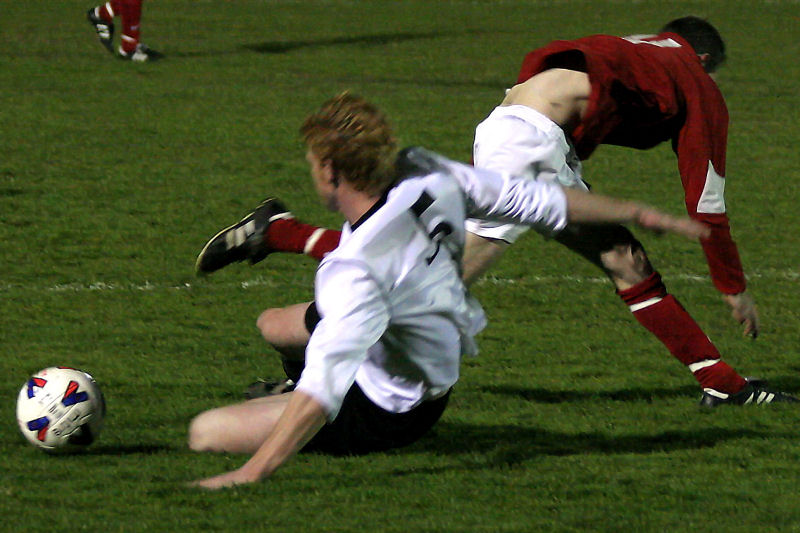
424 173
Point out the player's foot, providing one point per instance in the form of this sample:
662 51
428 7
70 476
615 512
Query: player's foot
262 388
105 30
243 240
141 54
755 392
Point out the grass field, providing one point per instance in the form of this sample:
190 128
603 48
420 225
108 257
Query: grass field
113 175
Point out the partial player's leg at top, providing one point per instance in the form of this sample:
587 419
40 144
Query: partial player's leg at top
130 13
269 228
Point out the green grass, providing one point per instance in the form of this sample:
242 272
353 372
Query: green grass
113 175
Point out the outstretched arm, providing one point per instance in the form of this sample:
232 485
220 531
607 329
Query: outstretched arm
302 419
547 206
585 208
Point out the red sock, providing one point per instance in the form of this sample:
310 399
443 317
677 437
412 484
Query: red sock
108 10
130 12
666 318
289 235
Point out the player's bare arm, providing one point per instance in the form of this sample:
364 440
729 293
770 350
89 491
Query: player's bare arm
583 207
559 94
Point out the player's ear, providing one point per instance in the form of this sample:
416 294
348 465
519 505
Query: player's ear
704 58
329 172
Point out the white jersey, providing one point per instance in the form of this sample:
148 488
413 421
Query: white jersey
395 315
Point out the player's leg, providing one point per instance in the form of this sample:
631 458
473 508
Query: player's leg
102 20
271 227
480 254
622 257
130 13
293 236
287 329
241 428
238 428
518 140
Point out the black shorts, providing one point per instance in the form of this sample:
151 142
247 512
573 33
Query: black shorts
362 427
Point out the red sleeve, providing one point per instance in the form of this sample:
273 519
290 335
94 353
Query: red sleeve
700 147
722 255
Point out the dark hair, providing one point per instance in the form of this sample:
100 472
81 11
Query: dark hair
357 139
702 36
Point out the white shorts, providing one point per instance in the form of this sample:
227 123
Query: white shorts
520 141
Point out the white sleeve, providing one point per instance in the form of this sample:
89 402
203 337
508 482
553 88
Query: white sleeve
495 196
354 316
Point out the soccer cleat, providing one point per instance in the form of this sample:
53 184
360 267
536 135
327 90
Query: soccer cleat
141 54
756 392
262 388
243 240
105 30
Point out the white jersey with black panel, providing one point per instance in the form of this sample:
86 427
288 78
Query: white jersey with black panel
395 316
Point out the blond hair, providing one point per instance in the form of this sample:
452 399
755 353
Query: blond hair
355 136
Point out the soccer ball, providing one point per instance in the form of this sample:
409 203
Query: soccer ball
60 409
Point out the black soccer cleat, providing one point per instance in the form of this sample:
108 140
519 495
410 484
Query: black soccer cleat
243 240
104 30
262 388
142 54
756 392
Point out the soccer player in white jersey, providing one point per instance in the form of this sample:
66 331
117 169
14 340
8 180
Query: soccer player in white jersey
392 317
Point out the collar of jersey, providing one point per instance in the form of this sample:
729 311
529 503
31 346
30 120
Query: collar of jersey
371 211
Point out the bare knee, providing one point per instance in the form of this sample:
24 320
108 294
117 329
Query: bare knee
204 432
269 326
284 327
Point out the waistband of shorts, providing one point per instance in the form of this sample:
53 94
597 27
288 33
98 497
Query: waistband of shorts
528 114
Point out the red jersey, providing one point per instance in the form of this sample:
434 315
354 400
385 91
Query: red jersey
646 90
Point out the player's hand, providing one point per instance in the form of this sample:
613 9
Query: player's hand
229 479
655 220
743 309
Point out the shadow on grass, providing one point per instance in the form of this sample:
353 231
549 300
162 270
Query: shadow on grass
376 40
134 449
541 395
282 47
789 384
479 447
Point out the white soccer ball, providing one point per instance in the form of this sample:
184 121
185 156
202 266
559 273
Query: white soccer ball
60 409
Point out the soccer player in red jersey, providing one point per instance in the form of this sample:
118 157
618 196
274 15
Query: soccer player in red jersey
570 97
130 14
